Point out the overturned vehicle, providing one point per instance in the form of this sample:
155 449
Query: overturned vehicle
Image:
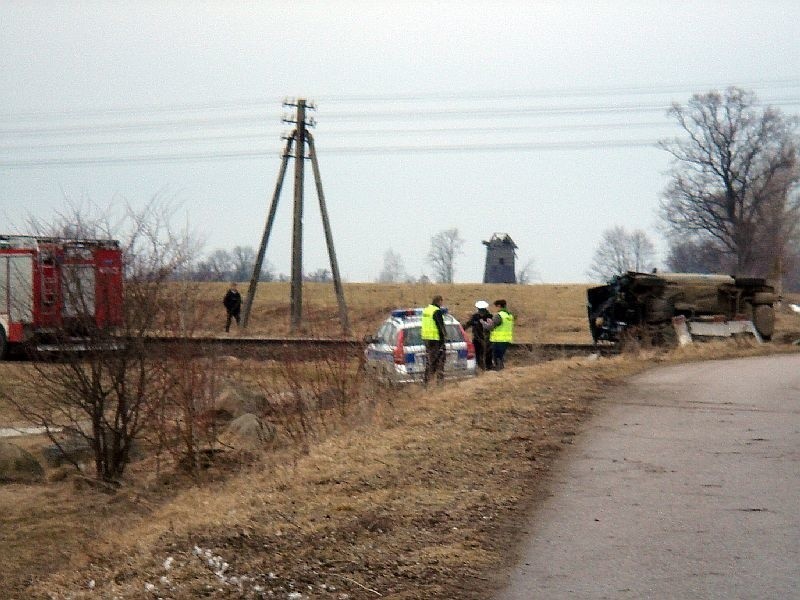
672 307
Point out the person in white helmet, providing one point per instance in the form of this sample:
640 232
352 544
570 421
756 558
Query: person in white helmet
480 322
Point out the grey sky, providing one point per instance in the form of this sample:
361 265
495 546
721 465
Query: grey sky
536 119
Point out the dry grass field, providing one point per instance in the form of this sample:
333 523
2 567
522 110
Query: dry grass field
402 494
544 313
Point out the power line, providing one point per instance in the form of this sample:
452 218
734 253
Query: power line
417 114
146 142
488 114
87 129
600 91
371 150
562 92
345 133
520 111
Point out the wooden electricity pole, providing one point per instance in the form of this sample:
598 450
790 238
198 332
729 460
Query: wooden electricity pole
297 227
299 137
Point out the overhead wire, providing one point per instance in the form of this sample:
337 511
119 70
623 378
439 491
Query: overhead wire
417 149
586 91
162 131
686 89
365 116
341 133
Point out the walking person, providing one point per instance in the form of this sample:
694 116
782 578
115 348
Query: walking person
434 336
481 322
501 334
233 305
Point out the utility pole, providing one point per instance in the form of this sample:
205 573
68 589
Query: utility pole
299 137
297 227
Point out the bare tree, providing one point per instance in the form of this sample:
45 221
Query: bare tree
220 265
446 246
236 265
393 270
693 256
244 259
104 397
620 251
527 272
733 177
320 276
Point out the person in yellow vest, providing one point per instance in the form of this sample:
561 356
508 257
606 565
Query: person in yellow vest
501 334
434 336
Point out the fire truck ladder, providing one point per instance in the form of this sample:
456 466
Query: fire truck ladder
49 295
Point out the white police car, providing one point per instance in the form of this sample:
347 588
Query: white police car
397 353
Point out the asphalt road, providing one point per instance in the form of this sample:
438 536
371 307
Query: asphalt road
685 484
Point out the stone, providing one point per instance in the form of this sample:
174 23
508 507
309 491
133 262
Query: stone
18 465
248 432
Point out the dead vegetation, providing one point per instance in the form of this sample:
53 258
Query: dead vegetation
354 491
413 497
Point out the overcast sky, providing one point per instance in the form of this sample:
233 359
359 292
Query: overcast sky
536 119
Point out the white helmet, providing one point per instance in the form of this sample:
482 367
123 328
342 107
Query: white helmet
481 304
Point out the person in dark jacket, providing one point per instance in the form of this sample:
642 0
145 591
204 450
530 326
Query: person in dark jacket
233 305
480 322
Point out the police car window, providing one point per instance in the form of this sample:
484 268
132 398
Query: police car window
382 332
412 336
454 333
391 336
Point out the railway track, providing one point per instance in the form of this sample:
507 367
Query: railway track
300 348
313 348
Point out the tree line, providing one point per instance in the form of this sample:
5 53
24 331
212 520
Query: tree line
445 249
238 265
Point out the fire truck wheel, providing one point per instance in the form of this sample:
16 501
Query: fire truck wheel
3 344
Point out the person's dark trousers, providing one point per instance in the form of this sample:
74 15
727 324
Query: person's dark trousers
499 354
231 315
483 353
434 364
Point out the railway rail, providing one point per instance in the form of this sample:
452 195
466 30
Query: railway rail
303 348
313 348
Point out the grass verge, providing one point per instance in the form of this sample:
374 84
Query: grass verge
425 497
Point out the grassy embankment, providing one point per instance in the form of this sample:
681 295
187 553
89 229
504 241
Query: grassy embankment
404 495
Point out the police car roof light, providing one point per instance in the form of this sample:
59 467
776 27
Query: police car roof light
403 313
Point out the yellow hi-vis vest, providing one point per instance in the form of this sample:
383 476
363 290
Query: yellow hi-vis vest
505 331
429 329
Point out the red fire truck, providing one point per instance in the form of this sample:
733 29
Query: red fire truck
54 290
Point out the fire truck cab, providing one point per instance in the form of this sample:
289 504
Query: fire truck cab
55 289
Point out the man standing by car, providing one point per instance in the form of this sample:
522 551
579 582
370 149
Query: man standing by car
480 323
233 305
502 334
434 336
